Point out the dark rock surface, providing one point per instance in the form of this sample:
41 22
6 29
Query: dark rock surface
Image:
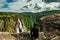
22 36
51 25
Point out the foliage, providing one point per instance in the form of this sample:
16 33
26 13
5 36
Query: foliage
28 19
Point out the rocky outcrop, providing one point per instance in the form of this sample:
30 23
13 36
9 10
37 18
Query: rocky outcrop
6 36
51 25
22 36
17 36
42 36
56 38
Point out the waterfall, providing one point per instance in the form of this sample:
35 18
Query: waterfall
19 27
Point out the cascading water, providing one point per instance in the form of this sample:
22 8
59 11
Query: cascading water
19 27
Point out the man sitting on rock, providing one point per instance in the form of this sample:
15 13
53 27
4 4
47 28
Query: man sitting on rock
34 32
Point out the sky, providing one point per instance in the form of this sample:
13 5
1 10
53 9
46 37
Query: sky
28 5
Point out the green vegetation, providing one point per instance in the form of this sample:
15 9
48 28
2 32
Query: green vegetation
8 20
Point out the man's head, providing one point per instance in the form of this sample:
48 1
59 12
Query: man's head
35 25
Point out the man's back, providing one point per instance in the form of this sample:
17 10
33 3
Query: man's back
34 32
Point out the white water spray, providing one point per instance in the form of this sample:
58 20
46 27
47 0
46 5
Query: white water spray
19 27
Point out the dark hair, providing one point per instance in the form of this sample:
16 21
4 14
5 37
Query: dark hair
35 25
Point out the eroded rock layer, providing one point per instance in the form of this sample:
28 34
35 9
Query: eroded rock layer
51 25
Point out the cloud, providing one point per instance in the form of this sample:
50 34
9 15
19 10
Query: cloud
30 6
51 0
53 6
2 1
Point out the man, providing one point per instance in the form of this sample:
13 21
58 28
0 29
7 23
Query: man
34 32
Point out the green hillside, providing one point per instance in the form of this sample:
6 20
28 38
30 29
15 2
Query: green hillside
8 20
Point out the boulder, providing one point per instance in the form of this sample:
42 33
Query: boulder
51 25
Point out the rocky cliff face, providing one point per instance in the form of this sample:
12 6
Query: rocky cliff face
51 25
